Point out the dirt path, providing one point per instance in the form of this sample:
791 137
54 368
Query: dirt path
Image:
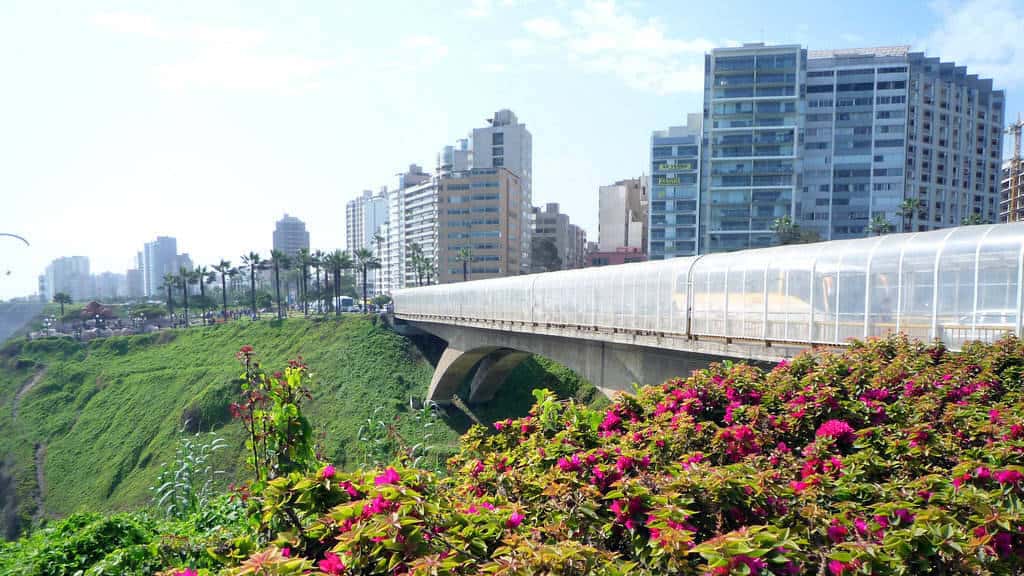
25 390
40 483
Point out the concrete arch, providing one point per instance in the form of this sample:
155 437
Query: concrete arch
611 367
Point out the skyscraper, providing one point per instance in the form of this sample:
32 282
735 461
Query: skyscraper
364 217
844 143
158 258
290 235
69 275
479 210
675 189
412 221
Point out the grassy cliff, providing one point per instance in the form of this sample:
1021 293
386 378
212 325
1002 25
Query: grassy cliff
86 426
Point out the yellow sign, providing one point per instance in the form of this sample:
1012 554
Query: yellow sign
667 181
675 166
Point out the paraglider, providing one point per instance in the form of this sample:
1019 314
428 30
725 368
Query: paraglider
8 272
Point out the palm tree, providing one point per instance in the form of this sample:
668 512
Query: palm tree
252 260
465 256
224 269
316 260
908 208
302 258
280 261
879 225
344 261
379 240
416 259
185 278
202 275
62 298
365 260
785 229
170 281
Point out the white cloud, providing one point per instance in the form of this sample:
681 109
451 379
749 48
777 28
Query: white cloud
219 56
603 38
545 28
987 36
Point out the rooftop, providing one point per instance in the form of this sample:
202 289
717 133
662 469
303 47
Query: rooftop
847 52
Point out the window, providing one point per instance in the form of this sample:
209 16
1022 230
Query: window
498 151
497 139
499 161
819 89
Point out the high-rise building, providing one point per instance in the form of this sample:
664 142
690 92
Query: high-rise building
750 162
134 285
1011 207
70 275
108 286
622 215
290 235
158 258
364 217
567 239
675 190
412 221
896 139
843 142
479 210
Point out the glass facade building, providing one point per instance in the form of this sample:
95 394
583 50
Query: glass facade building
751 157
674 190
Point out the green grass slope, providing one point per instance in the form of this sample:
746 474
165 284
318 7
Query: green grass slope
108 412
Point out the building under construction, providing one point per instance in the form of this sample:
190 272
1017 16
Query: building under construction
1011 207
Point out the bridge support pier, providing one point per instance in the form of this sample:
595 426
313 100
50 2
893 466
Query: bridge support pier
490 355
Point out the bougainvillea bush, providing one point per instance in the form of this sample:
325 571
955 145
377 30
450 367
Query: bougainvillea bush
891 457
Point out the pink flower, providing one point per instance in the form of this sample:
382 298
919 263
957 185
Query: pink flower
286 552
837 568
994 416
331 564
327 472
904 516
837 532
186 572
838 429
1009 477
982 473
390 476
514 520
570 464
798 486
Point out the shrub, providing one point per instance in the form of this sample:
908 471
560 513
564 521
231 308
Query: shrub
892 457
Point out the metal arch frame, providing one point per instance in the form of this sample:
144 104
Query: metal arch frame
933 330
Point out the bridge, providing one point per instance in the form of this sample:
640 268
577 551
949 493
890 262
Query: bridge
646 322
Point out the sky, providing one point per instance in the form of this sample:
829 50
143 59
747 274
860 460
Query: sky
208 120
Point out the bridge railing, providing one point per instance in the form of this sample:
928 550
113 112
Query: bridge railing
957 285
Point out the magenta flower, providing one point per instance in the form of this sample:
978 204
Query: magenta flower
186 572
837 532
1009 477
904 516
839 430
331 564
837 568
327 472
390 476
286 552
514 520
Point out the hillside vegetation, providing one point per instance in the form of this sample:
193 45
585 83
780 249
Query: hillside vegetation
101 417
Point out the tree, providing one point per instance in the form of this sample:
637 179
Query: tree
303 261
879 225
365 260
465 256
972 220
202 275
416 261
253 261
316 260
224 269
280 261
908 208
544 255
185 278
170 281
787 231
62 298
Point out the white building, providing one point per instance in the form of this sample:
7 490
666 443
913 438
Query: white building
158 258
364 217
622 213
69 275
412 220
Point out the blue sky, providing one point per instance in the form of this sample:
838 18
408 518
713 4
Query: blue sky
208 120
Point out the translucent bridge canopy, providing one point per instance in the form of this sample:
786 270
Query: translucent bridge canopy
957 285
